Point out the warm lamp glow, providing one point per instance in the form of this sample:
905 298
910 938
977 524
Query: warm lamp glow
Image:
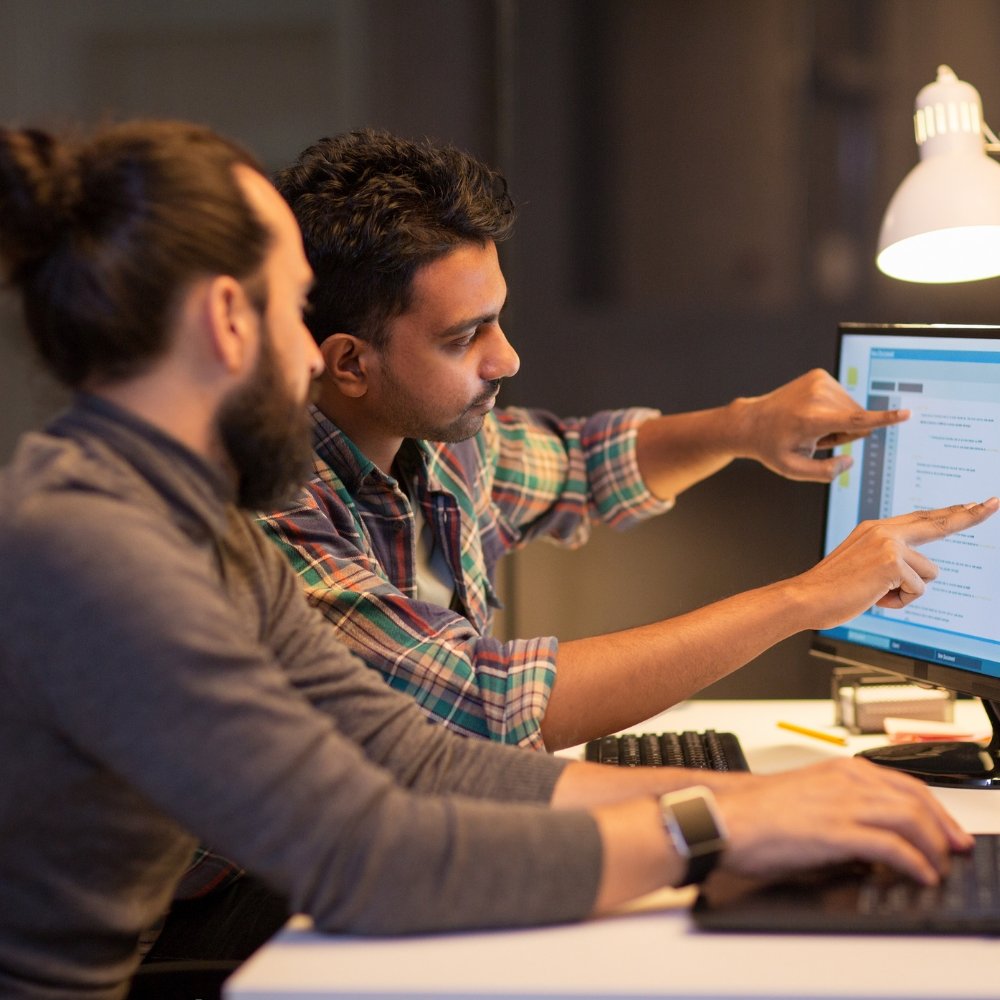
966 253
943 223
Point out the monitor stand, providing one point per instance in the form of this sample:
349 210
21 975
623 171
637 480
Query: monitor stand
950 763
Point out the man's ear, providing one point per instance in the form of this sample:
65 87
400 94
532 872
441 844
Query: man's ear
233 324
347 359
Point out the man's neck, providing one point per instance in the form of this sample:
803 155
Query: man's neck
381 453
378 448
163 407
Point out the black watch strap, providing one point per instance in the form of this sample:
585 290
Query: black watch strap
693 823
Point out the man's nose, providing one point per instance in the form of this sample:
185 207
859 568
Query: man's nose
502 360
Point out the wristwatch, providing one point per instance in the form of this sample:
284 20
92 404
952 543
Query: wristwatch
693 822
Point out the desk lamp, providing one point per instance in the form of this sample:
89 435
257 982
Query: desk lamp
943 222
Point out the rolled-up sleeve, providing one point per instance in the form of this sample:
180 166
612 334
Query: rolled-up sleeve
555 476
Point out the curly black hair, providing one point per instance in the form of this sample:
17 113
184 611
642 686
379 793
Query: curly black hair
373 209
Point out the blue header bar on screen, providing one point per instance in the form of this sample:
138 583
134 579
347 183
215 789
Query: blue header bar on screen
919 354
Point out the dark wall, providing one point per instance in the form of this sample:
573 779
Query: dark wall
701 183
706 215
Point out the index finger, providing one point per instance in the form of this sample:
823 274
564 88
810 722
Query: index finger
928 525
861 424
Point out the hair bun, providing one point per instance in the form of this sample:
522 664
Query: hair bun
39 190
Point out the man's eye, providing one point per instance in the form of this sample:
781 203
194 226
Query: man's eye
464 341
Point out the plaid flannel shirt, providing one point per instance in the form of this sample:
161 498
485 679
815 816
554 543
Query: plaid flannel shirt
526 475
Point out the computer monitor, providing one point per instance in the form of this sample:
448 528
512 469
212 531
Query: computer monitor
947 452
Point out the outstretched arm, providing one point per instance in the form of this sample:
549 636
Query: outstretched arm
608 682
782 430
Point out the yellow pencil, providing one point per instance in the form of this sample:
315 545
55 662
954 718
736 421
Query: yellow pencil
815 733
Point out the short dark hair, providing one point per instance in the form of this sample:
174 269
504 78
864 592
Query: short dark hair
373 208
102 235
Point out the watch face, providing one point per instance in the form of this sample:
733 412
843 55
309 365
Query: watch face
695 828
697 823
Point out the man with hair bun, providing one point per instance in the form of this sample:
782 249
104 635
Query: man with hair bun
163 681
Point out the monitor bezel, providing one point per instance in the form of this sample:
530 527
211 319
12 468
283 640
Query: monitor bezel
845 651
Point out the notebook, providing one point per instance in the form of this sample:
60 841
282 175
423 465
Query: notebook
861 899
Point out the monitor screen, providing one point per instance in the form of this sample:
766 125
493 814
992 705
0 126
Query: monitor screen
948 452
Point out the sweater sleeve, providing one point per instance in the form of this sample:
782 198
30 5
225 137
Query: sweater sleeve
266 739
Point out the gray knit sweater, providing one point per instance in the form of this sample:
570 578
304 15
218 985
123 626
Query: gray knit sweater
163 682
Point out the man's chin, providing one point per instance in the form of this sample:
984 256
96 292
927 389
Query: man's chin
468 427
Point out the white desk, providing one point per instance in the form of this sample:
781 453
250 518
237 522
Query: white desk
655 953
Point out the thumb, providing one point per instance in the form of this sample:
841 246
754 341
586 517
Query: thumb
823 470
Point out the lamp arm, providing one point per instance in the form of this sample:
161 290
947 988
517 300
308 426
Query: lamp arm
992 142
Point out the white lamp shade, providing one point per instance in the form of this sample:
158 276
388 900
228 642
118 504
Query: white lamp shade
943 222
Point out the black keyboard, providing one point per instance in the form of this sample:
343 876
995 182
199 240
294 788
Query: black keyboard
971 888
710 751
856 898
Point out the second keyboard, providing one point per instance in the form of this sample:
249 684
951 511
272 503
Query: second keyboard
708 750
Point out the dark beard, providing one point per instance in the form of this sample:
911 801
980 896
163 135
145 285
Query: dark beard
266 435
409 421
